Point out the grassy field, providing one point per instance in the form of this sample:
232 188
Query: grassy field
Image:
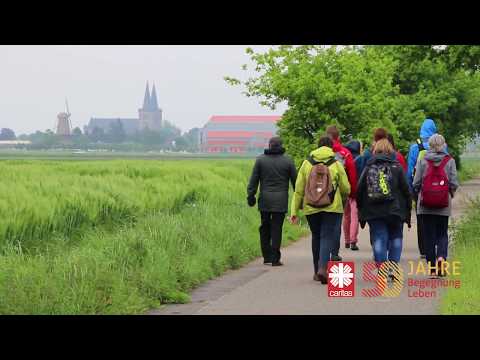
466 299
120 236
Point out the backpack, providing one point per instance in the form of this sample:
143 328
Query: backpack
379 182
435 185
319 189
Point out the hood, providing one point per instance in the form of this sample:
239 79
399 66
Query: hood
380 158
323 153
354 147
436 157
428 129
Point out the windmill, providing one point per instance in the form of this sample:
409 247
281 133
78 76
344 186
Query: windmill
64 125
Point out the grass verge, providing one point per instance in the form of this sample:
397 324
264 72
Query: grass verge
466 299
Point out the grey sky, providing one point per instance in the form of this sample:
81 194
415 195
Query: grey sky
109 81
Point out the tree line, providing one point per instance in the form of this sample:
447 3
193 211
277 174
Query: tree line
360 88
169 137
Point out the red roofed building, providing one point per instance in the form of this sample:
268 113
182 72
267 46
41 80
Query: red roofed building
238 134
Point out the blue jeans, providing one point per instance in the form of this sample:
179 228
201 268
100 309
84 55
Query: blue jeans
323 226
387 238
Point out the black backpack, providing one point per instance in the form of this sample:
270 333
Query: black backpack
379 182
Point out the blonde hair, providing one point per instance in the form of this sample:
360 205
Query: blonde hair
436 142
383 146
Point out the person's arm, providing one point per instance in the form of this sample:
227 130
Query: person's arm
452 177
351 174
254 181
359 196
293 174
299 191
343 183
412 161
405 190
417 181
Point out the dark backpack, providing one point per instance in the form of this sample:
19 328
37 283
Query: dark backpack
379 182
319 189
435 185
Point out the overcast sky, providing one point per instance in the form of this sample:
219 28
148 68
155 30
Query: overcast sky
109 81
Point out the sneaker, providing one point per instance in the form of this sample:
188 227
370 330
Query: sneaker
347 246
316 277
278 263
267 263
336 258
423 256
354 247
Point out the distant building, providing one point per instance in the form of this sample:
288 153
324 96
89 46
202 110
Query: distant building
149 116
238 134
13 143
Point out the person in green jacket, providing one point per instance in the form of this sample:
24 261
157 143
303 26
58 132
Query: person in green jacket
322 221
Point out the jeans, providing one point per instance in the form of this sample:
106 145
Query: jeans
323 226
386 235
271 235
350 222
435 229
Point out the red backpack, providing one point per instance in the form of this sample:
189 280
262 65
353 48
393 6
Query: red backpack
435 188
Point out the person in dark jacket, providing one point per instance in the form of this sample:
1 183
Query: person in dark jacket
385 219
274 171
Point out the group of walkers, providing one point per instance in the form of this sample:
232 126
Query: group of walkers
345 187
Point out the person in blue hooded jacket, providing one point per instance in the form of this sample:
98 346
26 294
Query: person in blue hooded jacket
427 130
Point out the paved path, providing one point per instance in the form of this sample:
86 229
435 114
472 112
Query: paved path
258 289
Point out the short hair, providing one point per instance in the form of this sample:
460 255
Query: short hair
379 134
325 141
436 142
383 146
390 139
333 132
275 142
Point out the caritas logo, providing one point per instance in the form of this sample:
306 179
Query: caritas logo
341 279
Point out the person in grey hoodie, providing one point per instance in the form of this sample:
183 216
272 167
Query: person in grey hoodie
435 221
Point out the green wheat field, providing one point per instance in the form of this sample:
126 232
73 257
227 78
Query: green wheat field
120 236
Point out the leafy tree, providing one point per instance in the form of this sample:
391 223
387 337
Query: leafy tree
361 88
7 134
77 132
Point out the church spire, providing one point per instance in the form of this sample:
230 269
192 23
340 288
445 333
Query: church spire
146 99
153 99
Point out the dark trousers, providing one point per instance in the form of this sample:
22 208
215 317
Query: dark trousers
338 235
271 235
323 226
420 235
435 231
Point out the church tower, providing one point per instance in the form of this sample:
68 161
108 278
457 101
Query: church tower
150 115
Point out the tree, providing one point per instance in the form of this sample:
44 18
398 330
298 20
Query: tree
361 88
77 132
323 86
7 134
